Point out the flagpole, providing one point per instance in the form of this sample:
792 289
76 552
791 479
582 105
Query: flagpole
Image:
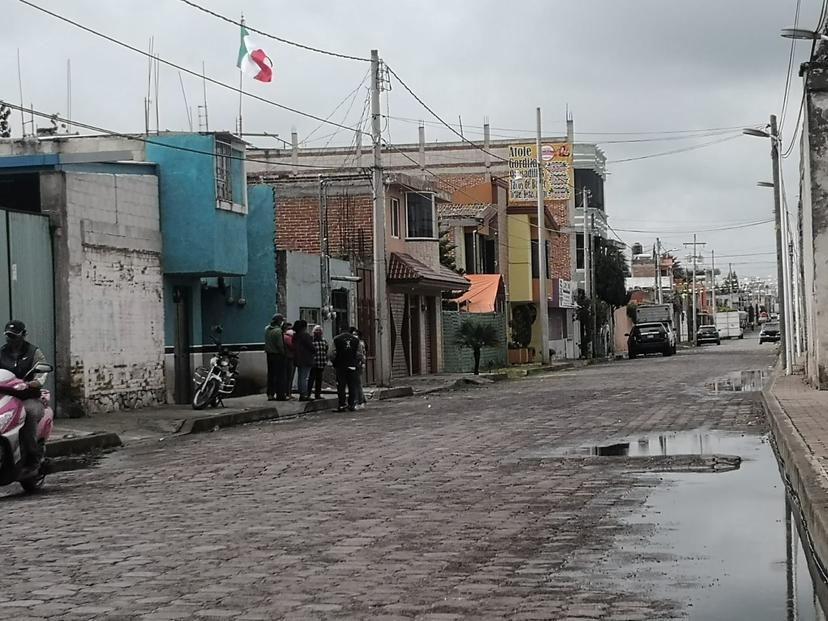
241 85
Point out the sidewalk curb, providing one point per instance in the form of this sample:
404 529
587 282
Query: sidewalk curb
98 441
392 393
220 420
807 478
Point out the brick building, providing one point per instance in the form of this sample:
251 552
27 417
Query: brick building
333 216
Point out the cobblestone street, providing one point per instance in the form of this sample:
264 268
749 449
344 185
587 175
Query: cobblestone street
454 505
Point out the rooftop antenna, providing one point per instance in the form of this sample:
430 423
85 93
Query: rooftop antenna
147 100
20 88
68 95
203 109
157 72
186 105
460 118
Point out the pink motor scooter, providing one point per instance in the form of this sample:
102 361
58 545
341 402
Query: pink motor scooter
12 415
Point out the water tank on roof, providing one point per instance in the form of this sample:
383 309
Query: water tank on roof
637 249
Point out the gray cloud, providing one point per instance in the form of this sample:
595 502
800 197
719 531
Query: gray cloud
632 65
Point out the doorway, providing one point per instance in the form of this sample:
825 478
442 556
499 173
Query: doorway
182 346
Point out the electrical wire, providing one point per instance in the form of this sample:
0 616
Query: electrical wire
437 116
274 37
351 95
790 71
710 230
676 151
199 75
608 133
136 138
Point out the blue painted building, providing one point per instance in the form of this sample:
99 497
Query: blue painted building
219 260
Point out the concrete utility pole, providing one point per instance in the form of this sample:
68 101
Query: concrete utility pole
780 254
713 288
659 294
694 243
382 344
587 267
543 301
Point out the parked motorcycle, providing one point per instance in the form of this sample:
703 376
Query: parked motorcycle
217 381
12 415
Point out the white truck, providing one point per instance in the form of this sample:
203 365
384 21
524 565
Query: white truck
654 313
729 325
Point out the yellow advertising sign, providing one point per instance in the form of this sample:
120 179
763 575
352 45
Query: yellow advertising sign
556 164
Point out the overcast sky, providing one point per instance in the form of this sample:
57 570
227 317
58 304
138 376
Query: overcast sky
634 66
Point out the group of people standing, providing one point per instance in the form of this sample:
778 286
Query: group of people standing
295 351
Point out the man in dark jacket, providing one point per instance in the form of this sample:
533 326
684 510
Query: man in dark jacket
304 352
346 361
20 357
276 359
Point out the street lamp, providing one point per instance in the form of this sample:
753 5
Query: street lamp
764 184
803 34
784 324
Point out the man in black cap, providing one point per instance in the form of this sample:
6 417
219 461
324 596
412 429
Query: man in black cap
19 356
276 360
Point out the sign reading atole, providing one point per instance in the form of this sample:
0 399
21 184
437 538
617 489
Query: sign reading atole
556 164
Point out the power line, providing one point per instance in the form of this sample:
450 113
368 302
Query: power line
607 133
352 94
150 141
199 75
437 116
274 37
676 151
790 70
710 230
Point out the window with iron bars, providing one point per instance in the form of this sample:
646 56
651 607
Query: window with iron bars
224 182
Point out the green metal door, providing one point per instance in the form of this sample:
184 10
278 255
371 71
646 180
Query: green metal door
28 272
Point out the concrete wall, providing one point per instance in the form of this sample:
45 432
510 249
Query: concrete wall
461 359
115 291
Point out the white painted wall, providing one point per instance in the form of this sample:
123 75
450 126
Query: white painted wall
115 290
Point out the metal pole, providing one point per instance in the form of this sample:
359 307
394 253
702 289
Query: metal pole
587 268
595 340
695 315
382 353
543 301
713 288
777 214
659 293
786 273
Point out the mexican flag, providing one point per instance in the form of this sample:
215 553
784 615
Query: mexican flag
253 60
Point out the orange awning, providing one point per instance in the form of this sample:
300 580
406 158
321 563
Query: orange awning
482 295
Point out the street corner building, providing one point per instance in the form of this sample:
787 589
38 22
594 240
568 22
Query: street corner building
155 241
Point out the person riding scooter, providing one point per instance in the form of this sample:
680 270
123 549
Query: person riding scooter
19 357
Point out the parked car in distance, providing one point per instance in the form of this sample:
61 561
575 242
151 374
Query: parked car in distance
708 334
650 338
769 332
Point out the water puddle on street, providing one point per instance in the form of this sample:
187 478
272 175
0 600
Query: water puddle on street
741 381
698 442
727 543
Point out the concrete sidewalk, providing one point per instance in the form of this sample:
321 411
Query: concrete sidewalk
798 416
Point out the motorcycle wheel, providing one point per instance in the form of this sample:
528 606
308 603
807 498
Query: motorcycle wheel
205 394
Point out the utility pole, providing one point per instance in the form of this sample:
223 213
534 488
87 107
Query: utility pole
382 349
777 214
659 293
587 267
543 301
713 288
595 340
694 243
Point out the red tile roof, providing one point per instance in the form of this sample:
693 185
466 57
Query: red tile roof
405 269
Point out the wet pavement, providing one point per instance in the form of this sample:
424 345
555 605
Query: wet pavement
472 504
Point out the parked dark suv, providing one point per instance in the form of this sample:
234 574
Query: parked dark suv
649 338
769 333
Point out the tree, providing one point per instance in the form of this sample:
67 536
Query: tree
476 335
611 271
447 253
679 273
5 129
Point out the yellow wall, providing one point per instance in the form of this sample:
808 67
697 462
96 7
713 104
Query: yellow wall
520 264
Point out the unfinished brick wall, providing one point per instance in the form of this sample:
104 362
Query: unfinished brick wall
349 224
